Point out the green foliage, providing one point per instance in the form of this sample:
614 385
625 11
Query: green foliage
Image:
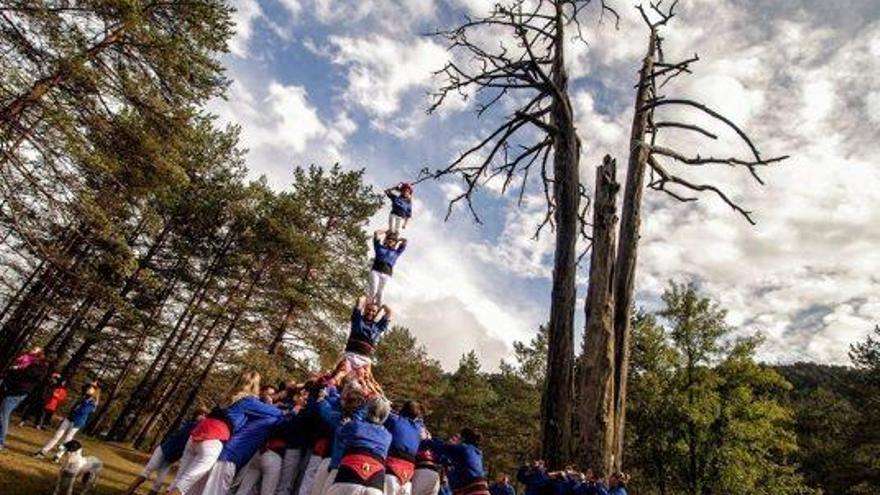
405 369
704 416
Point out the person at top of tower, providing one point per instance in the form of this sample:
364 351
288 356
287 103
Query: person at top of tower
401 206
387 251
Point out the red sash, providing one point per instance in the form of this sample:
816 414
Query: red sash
276 445
364 466
401 468
322 447
476 487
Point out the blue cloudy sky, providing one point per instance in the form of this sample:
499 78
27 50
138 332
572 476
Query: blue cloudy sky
321 81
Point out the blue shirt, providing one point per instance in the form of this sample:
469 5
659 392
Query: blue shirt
534 479
81 411
400 206
335 421
466 461
406 435
365 436
386 255
561 486
599 489
617 490
247 408
173 445
502 489
248 439
364 333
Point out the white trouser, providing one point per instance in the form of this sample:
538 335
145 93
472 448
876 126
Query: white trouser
264 469
321 477
353 489
289 470
393 486
396 223
357 361
425 482
159 465
305 488
65 433
328 482
198 459
220 478
378 280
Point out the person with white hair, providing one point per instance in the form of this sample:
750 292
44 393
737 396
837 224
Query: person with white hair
365 444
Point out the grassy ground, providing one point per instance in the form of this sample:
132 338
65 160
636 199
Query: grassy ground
21 474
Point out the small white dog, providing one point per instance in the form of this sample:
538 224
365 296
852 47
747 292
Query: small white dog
77 466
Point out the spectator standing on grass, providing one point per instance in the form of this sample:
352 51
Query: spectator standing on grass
17 385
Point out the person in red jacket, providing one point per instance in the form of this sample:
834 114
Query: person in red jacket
56 398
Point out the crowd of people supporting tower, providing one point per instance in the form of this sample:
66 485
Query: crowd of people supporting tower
334 433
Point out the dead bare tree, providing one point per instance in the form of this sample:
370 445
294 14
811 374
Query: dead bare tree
595 412
647 157
517 54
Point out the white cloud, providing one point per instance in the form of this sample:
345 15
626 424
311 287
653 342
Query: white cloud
449 300
382 70
800 80
246 13
281 128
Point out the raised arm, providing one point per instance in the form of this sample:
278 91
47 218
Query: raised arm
386 312
360 303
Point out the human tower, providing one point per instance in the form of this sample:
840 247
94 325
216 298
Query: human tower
334 434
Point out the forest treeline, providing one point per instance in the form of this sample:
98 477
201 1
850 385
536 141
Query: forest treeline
705 416
133 247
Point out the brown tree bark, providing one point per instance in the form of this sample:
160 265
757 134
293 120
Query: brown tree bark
241 307
596 381
627 255
95 334
146 387
558 396
10 113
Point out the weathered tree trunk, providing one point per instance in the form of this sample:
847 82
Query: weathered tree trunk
24 286
625 268
278 336
241 307
96 333
146 387
558 396
100 415
60 342
596 381
10 113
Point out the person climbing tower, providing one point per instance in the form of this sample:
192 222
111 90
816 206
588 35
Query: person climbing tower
368 322
387 251
401 206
